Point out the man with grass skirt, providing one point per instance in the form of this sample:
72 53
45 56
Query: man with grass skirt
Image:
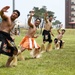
7 45
28 42
47 33
58 42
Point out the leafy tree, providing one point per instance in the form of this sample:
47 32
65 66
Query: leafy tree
56 22
39 12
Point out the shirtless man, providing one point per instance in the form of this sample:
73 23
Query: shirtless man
47 33
7 46
28 41
58 40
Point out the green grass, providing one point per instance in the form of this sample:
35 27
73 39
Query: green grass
56 62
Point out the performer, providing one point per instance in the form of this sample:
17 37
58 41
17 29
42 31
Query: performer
58 40
7 45
47 32
28 41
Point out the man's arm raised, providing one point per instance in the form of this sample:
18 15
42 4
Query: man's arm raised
45 17
4 9
30 18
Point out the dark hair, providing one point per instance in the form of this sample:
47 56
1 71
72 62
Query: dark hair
38 19
50 16
63 30
17 12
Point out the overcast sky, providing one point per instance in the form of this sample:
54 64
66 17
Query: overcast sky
24 6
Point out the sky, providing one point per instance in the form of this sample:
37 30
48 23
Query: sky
24 6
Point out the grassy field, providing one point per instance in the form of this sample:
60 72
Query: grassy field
56 62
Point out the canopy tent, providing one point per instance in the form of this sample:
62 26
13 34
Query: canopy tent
72 23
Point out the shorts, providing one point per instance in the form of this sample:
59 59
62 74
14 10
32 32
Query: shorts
46 36
56 40
7 45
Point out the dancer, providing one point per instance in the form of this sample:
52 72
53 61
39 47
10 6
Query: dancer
58 42
7 45
28 41
47 32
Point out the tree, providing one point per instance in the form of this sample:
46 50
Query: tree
36 11
56 22
39 12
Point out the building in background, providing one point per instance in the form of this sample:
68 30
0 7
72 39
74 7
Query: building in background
69 13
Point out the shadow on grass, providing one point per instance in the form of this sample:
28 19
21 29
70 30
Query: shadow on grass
2 66
30 58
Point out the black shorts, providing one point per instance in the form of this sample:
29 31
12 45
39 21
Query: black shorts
46 36
56 40
7 46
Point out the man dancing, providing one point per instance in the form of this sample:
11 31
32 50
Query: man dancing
47 33
7 46
28 41
58 40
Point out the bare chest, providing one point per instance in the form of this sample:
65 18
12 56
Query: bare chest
32 30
